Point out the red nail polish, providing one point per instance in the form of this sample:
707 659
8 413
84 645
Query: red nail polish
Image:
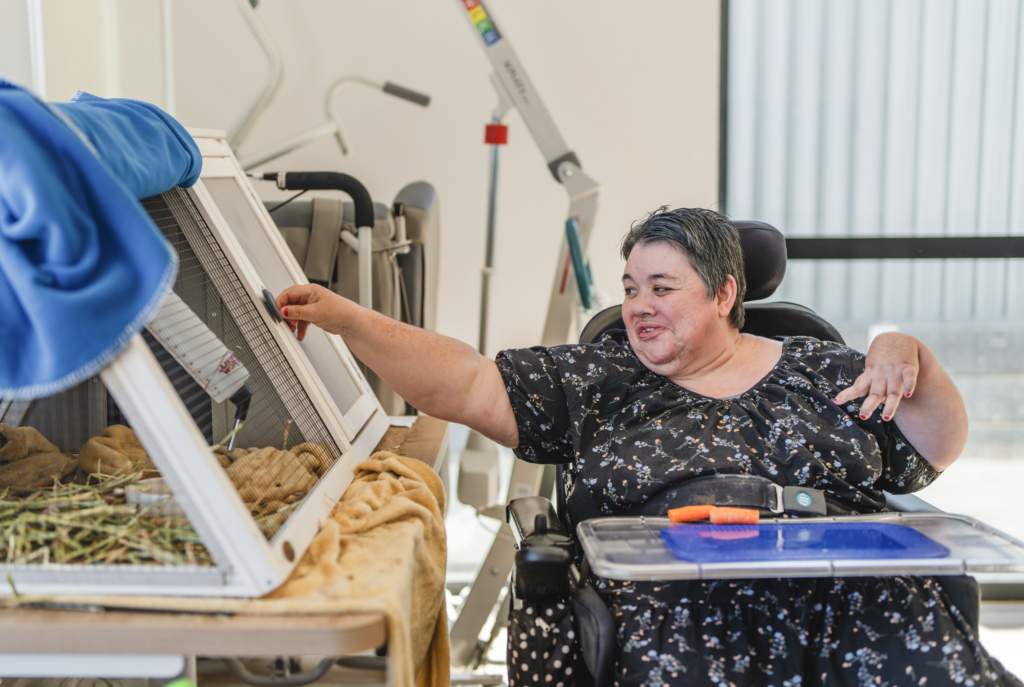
885 417
863 416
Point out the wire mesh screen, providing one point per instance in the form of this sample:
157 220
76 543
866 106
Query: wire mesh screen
282 449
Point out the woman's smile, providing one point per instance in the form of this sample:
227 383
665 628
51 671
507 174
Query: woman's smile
648 331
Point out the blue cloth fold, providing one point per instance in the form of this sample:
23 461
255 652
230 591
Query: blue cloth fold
144 148
82 266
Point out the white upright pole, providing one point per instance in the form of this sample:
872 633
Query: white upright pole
492 202
36 43
366 267
168 27
496 136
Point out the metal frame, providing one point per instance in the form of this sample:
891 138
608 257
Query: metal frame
905 248
333 125
243 125
610 559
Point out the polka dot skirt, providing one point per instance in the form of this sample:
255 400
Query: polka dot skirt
542 646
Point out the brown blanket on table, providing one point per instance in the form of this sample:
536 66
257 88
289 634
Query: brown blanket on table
389 526
382 550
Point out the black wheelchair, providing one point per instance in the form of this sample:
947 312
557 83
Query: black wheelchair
551 570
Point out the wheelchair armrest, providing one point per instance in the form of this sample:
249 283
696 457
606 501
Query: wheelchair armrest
543 559
908 503
522 513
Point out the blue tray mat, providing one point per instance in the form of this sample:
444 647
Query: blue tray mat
798 542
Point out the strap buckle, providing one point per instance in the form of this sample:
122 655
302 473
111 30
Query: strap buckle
801 501
797 500
779 506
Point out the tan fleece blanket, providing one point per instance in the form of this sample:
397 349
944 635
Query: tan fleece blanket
382 550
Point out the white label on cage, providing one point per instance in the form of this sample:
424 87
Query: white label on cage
197 349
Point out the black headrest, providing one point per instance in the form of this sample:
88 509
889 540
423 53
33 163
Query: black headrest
764 258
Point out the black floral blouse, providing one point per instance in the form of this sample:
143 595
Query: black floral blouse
630 433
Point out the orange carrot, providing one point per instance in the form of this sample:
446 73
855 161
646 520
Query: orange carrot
690 513
734 516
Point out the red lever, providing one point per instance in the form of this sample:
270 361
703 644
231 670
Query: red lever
496 134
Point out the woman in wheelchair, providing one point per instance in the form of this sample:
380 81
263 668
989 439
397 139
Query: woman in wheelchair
683 394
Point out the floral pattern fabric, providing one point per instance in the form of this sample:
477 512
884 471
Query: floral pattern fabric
629 433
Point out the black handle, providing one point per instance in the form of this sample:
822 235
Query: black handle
328 181
271 303
406 94
241 399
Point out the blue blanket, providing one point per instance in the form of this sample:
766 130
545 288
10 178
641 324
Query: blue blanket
82 266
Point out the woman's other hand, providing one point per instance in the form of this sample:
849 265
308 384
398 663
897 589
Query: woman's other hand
901 372
307 304
890 375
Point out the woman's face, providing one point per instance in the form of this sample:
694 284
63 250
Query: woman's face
672 324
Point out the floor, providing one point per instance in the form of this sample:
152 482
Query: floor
985 483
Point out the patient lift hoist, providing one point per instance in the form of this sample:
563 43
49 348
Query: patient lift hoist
515 89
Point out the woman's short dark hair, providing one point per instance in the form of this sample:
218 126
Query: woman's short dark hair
709 239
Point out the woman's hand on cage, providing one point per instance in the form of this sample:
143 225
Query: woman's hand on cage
890 375
306 304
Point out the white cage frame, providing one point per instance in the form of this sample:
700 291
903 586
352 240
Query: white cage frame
247 563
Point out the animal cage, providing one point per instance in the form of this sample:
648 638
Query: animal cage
203 458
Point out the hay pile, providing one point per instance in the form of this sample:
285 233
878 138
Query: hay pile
58 507
91 524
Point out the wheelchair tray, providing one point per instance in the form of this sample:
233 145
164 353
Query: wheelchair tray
634 548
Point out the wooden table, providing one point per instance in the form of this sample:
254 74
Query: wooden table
44 631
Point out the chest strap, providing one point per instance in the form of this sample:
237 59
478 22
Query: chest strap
739 491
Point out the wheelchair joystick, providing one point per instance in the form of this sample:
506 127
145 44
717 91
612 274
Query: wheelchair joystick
540 524
543 559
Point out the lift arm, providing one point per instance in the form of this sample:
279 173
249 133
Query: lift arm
561 159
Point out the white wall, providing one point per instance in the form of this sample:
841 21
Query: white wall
110 48
79 48
634 87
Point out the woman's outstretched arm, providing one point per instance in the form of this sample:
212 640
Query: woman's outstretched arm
441 376
900 372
